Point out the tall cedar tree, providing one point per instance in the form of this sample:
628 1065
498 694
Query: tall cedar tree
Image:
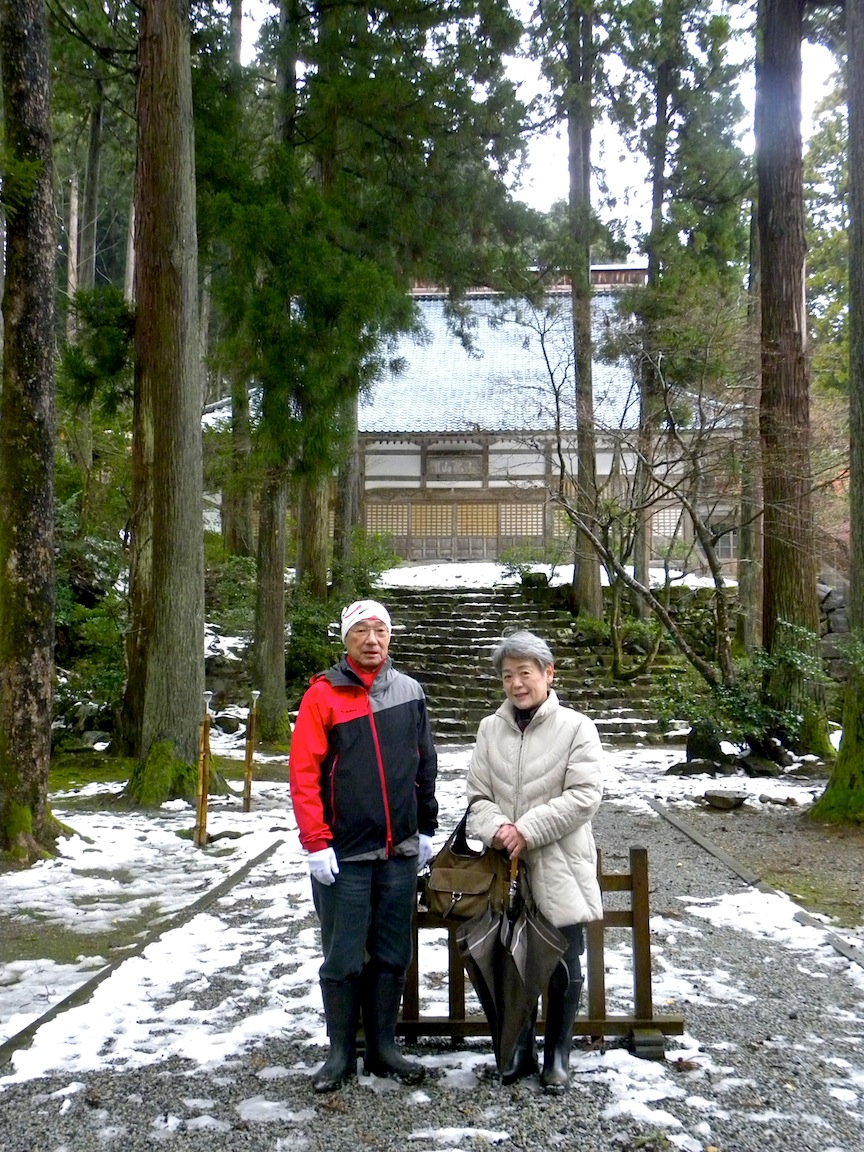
826 184
790 607
390 168
566 43
26 436
222 96
678 104
164 699
844 797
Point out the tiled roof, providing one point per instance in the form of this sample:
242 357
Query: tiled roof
502 384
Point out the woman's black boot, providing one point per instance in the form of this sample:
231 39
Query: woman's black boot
523 1062
563 1004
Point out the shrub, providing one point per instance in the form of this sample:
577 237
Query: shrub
371 555
90 658
310 647
641 635
738 710
230 593
90 622
590 631
522 559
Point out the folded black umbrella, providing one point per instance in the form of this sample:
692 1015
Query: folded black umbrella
509 956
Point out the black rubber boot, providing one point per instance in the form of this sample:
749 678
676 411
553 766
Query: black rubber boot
342 1012
382 996
523 1062
561 1009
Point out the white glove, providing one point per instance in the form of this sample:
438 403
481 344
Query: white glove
323 866
425 853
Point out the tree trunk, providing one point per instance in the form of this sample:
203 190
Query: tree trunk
790 608
79 422
650 401
129 271
27 438
2 266
312 512
235 30
82 433
237 501
312 536
748 619
72 255
347 510
205 307
587 592
170 620
269 641
844 797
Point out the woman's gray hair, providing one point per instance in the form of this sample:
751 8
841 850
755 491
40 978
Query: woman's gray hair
523 646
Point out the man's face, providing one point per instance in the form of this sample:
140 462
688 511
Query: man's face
526 684
367 643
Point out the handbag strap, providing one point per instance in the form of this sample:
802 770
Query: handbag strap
457 841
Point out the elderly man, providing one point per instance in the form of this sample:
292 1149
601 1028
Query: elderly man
362 772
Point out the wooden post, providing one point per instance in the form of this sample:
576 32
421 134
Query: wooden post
250 752
200 837
642 998
646 1029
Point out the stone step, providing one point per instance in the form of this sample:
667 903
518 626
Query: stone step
606 696
445 639
453 659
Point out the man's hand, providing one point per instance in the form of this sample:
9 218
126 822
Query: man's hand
425 853
510 839
323 866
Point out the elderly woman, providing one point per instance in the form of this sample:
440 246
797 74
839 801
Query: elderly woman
535 781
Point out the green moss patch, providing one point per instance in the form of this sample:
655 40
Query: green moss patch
818 895
27 936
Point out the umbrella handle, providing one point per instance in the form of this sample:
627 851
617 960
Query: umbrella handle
513 887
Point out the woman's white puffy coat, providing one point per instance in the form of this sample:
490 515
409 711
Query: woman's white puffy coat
548 781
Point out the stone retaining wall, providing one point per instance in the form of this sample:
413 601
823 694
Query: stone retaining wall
833 627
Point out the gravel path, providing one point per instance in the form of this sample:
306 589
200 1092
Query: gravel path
773 1056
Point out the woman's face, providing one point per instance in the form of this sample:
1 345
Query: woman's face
526 685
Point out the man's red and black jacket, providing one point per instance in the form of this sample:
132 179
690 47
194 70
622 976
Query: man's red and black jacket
363 764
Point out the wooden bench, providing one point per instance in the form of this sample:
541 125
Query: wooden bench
645 1029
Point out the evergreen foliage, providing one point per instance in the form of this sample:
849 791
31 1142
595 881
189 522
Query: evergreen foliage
826 176
367 149
97 365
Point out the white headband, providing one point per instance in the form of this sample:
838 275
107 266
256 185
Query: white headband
364 610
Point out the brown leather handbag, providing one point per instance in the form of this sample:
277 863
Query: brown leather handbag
463 883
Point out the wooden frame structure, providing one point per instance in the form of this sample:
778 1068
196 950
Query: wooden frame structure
646 1030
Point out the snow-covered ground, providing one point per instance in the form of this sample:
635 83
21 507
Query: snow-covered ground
127 867
480 574
120 866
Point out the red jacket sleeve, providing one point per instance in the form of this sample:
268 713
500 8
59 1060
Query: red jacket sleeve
309 746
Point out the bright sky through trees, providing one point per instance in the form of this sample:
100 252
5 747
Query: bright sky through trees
546 179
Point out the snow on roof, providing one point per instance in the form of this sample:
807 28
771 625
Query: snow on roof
502 383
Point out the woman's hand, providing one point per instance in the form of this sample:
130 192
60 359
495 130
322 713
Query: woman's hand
510 839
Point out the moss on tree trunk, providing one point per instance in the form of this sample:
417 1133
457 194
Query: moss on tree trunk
843 799
162 776
27 829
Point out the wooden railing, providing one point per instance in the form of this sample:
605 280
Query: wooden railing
646 1030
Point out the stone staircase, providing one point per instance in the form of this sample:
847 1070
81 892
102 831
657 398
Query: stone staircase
445 637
